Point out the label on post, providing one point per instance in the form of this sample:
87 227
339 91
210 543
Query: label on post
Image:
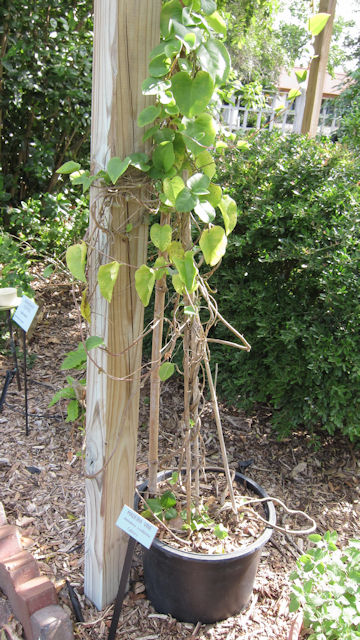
136 526
25 313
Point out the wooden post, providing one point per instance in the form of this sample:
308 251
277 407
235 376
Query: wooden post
317 72
125 31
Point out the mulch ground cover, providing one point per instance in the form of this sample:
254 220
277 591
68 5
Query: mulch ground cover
42 488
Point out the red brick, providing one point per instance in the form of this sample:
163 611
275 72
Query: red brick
30 597
9 541
51 623
19 568
36 593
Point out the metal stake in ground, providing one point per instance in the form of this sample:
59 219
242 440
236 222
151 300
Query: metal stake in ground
122 588
23 316
25 385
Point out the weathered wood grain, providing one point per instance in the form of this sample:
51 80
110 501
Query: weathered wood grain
125 32
317 72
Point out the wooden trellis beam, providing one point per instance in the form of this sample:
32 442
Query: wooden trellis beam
125 31
317 73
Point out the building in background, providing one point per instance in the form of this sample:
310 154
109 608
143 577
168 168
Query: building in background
284 114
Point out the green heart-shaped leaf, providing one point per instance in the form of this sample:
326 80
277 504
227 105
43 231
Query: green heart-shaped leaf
160 267
172 188
153 86
215 59
301 75
93 341
170 11
293 93
216 22
148 115
178 284
76 259
208 6
159 66
228 210
187 270
213 244
144 283
161 235
192 95
166 371
317 22
215 194
200 133
175 250
205 211
198 184
205 163
69 167
107 276
164 135
85 307
140 161
185 201
116 167
164 156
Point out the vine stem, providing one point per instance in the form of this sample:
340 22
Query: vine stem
187 418
220 431
155 384
296 532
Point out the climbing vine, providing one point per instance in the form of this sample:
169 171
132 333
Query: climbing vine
190 216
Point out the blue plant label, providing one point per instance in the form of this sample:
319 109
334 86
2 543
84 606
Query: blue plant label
25 313
136 526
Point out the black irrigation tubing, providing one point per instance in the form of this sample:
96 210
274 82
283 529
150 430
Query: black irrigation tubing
55 416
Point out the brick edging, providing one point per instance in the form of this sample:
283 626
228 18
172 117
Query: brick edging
32 597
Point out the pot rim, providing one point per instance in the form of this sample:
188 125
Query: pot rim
242 551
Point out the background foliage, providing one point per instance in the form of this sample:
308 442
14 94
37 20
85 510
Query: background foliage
45 92
290 284
349 105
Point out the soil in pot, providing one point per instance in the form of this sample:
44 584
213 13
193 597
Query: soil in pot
207 587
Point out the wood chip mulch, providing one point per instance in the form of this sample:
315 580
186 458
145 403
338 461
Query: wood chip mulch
42 489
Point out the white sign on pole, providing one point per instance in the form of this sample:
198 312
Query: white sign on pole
136 526
25 313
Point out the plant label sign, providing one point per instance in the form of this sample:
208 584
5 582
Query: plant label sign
25 313
136 526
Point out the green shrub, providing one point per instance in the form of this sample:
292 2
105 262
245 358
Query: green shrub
349 106
290 283
50 223
326 585
45 94
14 265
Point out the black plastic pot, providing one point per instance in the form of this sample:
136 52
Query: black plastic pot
196 587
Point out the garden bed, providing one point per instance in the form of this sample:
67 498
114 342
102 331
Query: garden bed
42 488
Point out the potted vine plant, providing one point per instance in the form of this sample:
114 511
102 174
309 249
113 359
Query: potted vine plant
189 230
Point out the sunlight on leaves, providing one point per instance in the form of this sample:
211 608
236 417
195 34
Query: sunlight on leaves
107 276
213 244
144 283
317 23
166 370
76 259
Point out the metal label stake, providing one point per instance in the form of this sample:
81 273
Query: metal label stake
122 588
23 316
139 530
11 373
